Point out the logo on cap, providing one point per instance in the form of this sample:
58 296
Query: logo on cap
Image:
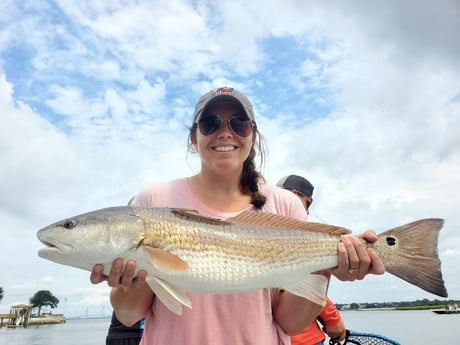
223 91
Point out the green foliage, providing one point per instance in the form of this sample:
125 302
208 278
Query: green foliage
44 298
422 307
354 306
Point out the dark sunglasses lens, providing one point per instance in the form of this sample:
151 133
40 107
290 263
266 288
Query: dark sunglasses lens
241 127
209 124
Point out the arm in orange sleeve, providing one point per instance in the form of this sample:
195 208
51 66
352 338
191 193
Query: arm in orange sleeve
332 321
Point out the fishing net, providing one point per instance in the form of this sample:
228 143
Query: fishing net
364 339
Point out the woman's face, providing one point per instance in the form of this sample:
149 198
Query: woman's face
224 151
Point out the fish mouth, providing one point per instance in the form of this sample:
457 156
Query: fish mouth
49 245
54 247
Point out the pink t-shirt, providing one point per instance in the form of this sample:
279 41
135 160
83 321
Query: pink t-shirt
244 318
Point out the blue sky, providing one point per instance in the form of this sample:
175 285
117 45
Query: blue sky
95 99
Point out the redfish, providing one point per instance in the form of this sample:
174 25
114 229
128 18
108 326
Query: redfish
184 252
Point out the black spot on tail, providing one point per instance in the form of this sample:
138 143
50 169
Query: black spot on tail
391 241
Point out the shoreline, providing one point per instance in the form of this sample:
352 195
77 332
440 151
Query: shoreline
35 321
46 320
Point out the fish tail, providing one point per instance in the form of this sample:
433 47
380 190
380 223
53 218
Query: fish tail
410 252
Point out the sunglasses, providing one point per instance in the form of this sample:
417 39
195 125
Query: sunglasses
239 124
309 199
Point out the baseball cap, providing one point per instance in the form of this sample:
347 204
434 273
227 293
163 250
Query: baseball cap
222 95
298 183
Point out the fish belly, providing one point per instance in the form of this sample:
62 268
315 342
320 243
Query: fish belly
217 274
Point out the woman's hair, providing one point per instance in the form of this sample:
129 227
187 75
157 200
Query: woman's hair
251 176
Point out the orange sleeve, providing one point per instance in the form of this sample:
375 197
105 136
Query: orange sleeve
313 333
330 315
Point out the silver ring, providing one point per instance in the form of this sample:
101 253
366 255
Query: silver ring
353 270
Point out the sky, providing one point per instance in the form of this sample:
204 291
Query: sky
362 98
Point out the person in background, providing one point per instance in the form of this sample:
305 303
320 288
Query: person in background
225 136
119 334
329 317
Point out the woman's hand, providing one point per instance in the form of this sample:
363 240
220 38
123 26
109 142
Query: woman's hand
130 297
121 275
355 260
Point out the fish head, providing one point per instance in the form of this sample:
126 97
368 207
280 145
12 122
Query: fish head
91 238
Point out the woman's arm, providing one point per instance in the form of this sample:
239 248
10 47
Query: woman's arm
131 304
293 313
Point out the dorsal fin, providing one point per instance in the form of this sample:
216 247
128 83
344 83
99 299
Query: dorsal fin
261 219
281 222
194 216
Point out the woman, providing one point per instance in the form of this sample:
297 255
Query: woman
225 136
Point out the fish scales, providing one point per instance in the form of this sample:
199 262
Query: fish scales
184 252
251 250
223 252
264 244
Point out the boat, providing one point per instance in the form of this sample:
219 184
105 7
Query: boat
444 311
450 309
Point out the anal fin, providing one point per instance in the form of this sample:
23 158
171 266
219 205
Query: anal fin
170 296
313 288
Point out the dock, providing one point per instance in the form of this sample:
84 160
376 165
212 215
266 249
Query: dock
19 316
5 319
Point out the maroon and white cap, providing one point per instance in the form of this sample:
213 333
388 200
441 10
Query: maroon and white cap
222 95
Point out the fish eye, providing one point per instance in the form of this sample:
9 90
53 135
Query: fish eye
69 224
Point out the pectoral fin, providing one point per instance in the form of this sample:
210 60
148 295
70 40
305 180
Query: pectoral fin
170 296
165 261
313 288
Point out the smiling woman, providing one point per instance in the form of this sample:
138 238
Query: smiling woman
225 135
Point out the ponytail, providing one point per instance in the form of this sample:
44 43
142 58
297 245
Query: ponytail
250 178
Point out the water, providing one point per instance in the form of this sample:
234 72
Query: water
73 332
406 327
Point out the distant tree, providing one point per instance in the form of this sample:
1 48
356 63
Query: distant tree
1 294
44 298
354 306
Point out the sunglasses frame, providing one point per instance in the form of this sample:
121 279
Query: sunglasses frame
217 118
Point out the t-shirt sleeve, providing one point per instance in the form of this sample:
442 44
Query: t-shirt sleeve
330 315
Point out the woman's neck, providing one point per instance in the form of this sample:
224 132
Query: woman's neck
221 193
